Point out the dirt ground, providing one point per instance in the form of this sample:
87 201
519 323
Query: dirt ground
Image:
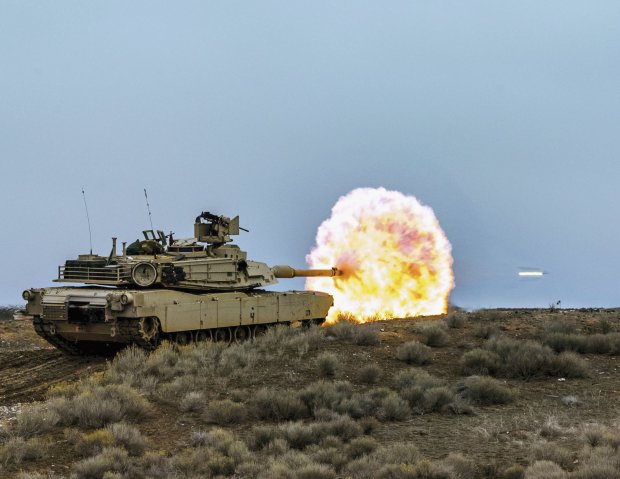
496 436
29 366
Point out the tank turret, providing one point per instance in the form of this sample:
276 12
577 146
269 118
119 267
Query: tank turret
208 261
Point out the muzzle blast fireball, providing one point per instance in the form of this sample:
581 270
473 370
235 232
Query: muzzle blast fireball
393 257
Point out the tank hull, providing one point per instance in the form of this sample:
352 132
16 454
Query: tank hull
78 319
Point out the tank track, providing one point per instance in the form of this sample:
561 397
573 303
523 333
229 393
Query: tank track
144 333
46 331
138 333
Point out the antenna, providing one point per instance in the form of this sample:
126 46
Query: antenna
148 207
90 236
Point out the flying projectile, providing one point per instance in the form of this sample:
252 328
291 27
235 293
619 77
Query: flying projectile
531 273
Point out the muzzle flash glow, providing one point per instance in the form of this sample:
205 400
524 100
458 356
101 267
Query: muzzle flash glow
394 257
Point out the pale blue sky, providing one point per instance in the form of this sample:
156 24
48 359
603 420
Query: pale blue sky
502 116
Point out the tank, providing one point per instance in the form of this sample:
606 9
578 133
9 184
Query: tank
159 287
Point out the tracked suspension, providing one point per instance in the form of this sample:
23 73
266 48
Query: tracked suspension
47 331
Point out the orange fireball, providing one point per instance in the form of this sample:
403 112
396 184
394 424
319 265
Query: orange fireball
395 258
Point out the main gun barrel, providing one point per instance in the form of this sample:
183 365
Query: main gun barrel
283 271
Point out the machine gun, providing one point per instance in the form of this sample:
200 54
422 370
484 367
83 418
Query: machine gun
216 229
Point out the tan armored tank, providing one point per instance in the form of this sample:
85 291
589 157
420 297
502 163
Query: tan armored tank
161 288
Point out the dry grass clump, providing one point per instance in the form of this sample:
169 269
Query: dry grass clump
299 435
486 331
597 459
330 452
91 443
135 368
480 362
394 461
604 325
325 395
525 359
326 400
484 390
560 341
35 420
327 364
129 438
315 471
342 427
95 406
596 435
414 352
62 389
598 462
516 471
594 344
129 360
455 320
203 462
367 335
110 460
433 333
544 470
224 412
394 408
218 453
17 450
168 373
347 329
95 442
193 401
560 326
237 359
360 446
283 339
361 405
436 399
458 466
415 378
293 464
597 471
425 393
568 365
603 344
571 400
521 359
547 451
369 374
277 405
551 428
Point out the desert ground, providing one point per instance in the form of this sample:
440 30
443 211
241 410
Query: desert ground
493 393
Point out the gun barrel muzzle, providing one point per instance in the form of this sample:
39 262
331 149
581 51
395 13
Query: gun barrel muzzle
283 271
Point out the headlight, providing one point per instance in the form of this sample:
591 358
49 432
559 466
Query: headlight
126 298
27 295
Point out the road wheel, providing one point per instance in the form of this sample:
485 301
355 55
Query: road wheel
182 338
204 335
258 330
222 335
242 333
